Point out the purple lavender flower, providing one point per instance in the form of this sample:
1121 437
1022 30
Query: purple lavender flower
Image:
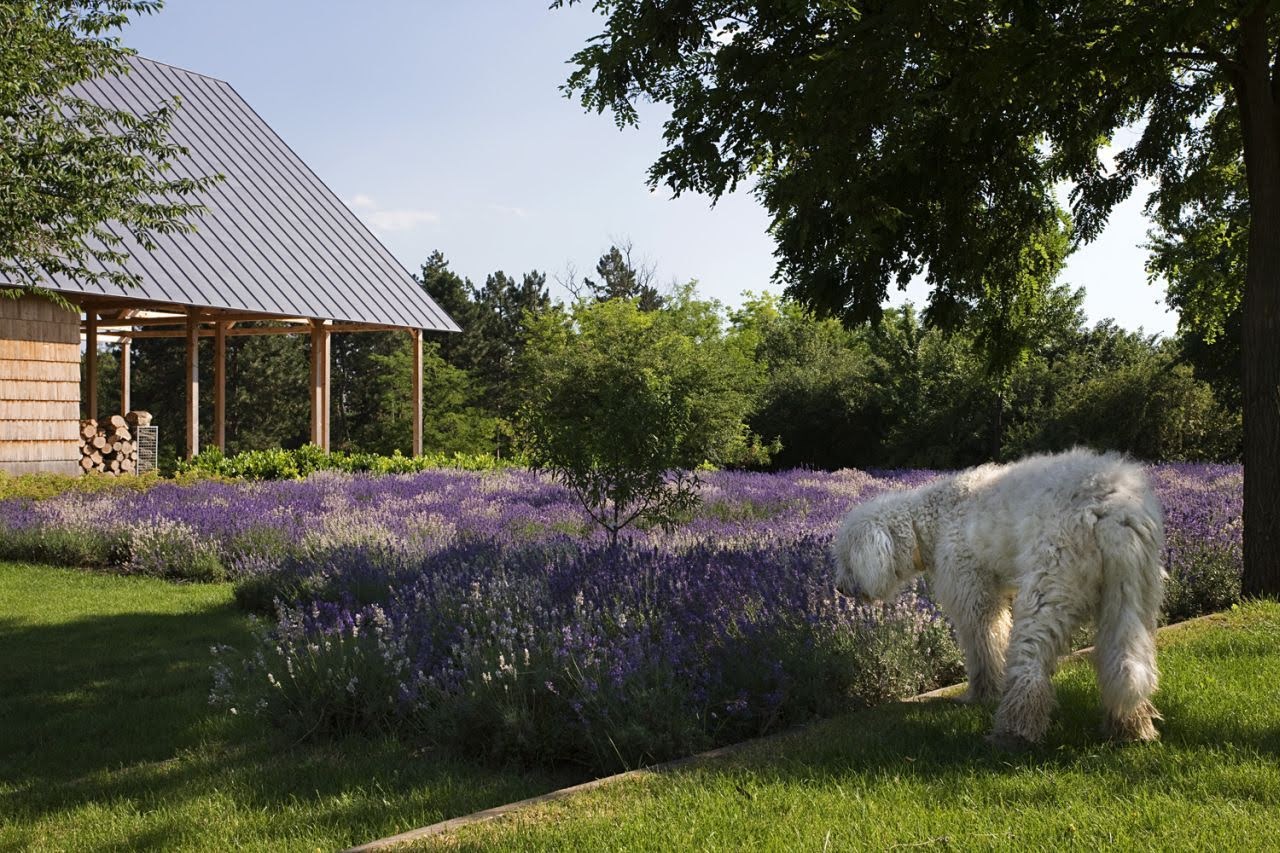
481 612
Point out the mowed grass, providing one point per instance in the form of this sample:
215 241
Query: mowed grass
107 739
920 776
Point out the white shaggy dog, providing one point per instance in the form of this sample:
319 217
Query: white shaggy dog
1065 539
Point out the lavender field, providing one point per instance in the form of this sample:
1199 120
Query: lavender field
480 612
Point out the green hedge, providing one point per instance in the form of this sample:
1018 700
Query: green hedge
280 464
40 486
250 465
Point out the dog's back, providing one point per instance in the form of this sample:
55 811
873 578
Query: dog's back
1079 486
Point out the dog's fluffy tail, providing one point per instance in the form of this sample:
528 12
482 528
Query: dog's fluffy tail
1131 538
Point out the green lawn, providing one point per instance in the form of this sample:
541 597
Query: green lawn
107 740
921 777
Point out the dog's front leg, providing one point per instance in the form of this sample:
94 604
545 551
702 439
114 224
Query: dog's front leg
980 614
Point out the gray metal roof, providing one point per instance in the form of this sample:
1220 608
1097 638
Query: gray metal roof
275 239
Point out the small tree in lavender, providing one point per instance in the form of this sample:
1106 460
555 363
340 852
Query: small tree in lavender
623 406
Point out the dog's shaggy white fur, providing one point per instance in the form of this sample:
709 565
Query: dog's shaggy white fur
1060 539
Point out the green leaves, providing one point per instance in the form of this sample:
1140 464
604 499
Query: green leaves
492 319
898 139
73 174
623 404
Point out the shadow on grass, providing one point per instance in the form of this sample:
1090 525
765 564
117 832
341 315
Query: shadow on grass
96 692
112 711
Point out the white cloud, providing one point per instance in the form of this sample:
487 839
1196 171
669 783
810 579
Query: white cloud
400 220
517 212
390 220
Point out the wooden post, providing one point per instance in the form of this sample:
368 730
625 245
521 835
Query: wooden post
314 383
417 392
220 384
326 360
193 383
126 375
91 363
319 384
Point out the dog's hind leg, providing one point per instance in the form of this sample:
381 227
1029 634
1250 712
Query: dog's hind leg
1041 632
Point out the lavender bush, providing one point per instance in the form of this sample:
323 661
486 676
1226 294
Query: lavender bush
608 657
1203 532
252 529
483 612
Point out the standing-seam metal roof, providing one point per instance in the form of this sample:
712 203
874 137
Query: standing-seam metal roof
274 239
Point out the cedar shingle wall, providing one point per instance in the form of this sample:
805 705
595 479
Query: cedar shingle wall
39 387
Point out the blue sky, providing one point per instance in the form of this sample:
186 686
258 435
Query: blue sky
442 125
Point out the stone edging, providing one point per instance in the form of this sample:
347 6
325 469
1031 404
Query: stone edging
500 811
446 826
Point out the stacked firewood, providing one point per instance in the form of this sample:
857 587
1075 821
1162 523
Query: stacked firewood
108 445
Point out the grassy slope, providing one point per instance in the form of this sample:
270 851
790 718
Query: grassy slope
920 776
107 739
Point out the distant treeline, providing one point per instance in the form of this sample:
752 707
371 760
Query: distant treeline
892 394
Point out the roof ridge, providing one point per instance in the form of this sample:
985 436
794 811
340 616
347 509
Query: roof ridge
150 61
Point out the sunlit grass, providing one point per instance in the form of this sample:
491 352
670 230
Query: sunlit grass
921 776
107 742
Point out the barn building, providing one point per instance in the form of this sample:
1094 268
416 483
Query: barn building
277 252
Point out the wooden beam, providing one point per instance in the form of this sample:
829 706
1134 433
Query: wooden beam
321 353
126 375
417 392
104 304
179 319
220 385
210 332
312 373
193 386
91 364
260 330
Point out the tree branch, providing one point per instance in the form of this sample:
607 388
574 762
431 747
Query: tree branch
1204 55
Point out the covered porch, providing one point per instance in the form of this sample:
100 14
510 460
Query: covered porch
123 320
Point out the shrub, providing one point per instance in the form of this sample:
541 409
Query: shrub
1207 580
170 549
342 681
258 593
42 486
498 639
1153 409
604 656
64 546
625 404
1203 530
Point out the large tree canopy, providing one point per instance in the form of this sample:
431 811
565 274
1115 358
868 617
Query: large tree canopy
69 167
890 139
1200 248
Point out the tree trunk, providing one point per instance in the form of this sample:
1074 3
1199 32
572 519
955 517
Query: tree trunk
1260 123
